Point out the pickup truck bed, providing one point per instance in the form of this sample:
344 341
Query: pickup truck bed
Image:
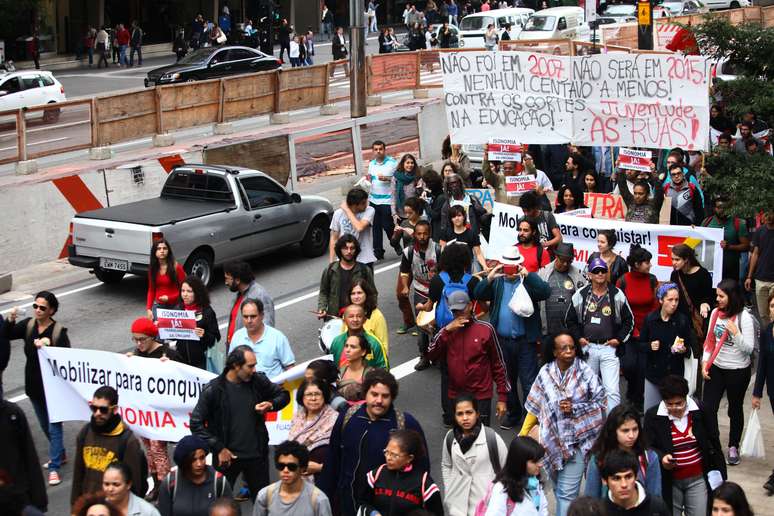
158 211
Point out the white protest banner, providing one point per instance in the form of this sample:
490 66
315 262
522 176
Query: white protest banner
582 232
501 149
155 397
176 324
632 159
632 100
580 212
517 185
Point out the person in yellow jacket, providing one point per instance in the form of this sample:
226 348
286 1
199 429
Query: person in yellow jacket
362 293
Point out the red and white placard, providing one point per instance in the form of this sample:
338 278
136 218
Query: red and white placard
177 324
631 159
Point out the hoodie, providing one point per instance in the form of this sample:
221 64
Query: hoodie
646 505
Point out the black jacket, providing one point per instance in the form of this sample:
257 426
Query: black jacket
5 348
663 362
396 493
650 506
209 419
192 352
765 370
623 319
705 429
18 457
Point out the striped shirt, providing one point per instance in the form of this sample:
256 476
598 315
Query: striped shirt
686 452
381 191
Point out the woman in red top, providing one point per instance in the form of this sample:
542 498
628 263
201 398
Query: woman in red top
165 277
639 287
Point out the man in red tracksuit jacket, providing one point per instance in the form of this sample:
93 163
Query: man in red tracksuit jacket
473 356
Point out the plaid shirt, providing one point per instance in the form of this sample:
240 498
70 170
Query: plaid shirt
561 435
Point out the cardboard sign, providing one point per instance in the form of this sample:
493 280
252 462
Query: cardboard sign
500 149
177 324
517 185
631 159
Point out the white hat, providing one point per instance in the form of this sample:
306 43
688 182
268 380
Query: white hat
511 256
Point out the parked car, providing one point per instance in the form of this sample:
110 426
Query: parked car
620 12
684 7
212 63
210 214
473 26
728 4
556 23
27 88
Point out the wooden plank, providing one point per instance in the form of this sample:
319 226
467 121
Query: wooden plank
247 96
302 87
269 155
393 72
767 16
189 104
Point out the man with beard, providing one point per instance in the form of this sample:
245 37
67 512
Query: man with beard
417 267
144 334
358 440
745 135
563 279
354 319
687 206
549 233
338 277
239 278
535 257
102 441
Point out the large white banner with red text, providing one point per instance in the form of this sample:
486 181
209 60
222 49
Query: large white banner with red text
628 100
155 398
582 233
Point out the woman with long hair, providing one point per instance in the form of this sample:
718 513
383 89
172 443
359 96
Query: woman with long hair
666 339
165 276
729 500
569 198
362 293
726 362
352 373
623 430
516 488
195 298
565 382
313 422
466 464
594 183
405 185
455 155
616 264
458 233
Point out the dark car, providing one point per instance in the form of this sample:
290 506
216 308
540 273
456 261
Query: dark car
213 63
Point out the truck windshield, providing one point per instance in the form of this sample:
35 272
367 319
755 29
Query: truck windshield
540 23
187 184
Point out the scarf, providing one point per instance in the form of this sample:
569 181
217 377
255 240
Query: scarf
315 433
193 308
402 179
711 346
466 442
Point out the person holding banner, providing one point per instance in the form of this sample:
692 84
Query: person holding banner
457 157
616 264
230 417
640 206
164 278
549 233
195 298
38 331
601 320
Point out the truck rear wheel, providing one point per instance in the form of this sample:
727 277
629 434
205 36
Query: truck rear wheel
200 265
315 241
108 277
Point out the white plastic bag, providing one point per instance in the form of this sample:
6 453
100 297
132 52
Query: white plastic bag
691 366
363 183
521 303
752 444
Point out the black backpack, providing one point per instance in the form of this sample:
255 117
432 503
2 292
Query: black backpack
491 446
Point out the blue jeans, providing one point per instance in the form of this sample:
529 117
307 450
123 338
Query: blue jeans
122 55
567 482
603 361
54 433
138 50
521 364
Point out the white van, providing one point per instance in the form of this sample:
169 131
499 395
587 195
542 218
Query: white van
556 23
473 26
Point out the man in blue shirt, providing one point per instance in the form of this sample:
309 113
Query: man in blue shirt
380 172
271 347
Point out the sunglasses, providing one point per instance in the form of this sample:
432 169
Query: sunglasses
36 306
291 466
599 271
101 409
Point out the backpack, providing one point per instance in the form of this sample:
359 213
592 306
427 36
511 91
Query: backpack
272 488
55 333
218 487
123 443
491 446
482 506
443 315
400 417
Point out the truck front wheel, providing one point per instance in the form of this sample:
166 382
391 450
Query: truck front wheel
108 277
315 241
200 265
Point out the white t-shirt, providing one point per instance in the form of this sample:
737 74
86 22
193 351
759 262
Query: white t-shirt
294 50
340 224
381 191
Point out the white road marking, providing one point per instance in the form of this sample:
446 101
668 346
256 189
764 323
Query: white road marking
30 144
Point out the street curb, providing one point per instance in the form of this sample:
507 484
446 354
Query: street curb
6 282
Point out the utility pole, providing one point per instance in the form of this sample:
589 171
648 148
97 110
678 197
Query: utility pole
357 72
644 25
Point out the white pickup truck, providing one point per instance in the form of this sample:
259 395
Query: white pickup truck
209 214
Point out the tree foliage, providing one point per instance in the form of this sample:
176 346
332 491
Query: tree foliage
746 180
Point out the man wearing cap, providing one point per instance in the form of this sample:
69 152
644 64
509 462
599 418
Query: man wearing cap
473 357
194 485
518 336
600 318
564 279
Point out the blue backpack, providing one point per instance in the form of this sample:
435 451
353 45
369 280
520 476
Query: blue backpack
443 315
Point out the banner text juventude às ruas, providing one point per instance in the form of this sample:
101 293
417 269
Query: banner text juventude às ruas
630 100
155 398
582 232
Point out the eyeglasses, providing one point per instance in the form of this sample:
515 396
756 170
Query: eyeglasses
102 409
391 455
36 306
598 271
312 395
291 466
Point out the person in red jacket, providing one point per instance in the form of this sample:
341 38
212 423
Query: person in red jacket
122 37
639 287
165 276
473 356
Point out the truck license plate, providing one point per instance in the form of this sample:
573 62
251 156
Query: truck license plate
114 265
